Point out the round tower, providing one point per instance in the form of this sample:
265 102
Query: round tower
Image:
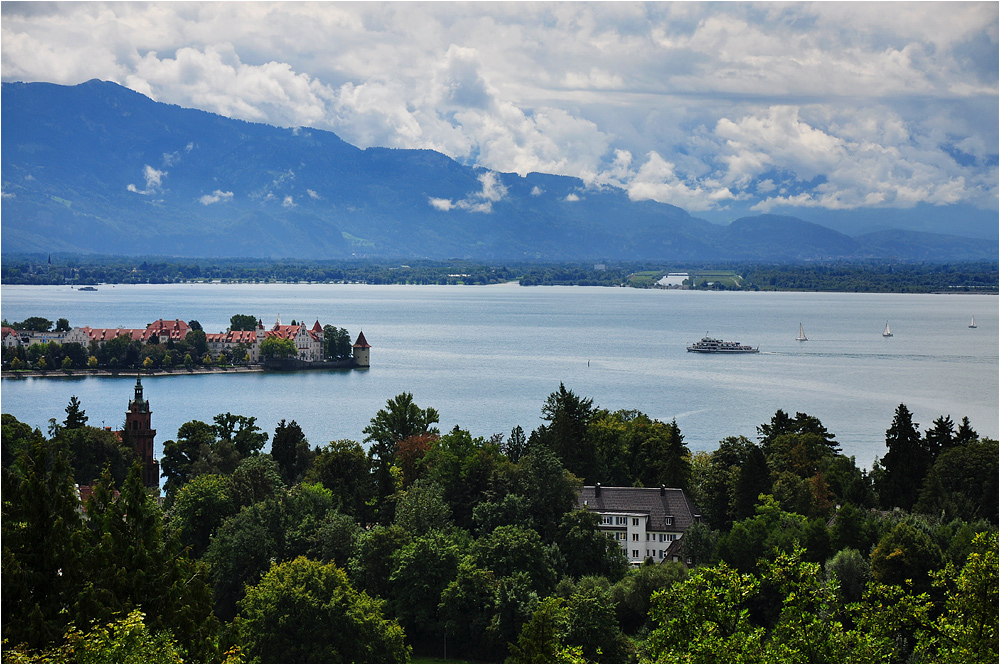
361 349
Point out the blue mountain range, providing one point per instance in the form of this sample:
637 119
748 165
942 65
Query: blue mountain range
98 168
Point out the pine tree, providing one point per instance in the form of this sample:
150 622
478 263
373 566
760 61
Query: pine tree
42 544
132 565
905 463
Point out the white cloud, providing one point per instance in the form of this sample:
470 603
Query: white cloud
441 204
313 195
838 104
154 180
215 197
288 202
482 201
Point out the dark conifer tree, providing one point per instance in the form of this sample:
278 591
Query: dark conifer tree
940 437
42 544
905 464
75 416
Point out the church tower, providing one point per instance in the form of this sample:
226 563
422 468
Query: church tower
361 348
139 433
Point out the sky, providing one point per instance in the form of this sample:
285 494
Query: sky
718 108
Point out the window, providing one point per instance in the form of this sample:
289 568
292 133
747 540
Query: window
647 536
635 521
635 536
669 519
635 554
663 537
606 519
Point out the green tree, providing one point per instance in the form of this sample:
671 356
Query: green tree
421 570
305 611
400 419
290 450
343 468
509 550
905 463
199 509
132 563
34 323
906 553
565 434
242 322
277 347
422 509
632 594
123 640
966 630
75 416
256 479
336 342
241 431
962 483
591 551
42 542
62 325
372 564
590 623
93 449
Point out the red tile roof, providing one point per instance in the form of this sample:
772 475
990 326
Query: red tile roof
362 343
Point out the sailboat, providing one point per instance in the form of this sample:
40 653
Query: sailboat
802 335
973 324
887 332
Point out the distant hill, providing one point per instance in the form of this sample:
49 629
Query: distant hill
98 168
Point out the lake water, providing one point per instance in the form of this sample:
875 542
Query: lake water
487 357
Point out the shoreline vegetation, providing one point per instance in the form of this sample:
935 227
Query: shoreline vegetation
859 277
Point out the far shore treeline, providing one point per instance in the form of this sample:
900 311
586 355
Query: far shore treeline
862 277
444 547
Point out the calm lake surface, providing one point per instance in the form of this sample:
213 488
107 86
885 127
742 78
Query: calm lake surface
486 357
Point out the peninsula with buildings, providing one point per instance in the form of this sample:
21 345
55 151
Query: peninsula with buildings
33 347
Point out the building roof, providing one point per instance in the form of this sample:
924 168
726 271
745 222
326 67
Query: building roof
317 328
362 343
658 503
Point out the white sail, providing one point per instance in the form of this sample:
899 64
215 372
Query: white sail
887 332
802 335
973 324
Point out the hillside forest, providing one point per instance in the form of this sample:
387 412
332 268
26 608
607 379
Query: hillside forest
440 546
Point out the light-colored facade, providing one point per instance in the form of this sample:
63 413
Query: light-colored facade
647 522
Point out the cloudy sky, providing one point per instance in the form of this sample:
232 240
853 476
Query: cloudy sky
712 107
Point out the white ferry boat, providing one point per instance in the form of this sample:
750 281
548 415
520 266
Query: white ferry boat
711 345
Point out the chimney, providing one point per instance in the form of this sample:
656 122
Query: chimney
663 490
597 490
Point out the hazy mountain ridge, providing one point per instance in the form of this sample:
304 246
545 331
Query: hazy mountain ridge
98 168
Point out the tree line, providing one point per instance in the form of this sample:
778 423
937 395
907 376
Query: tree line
861 276
444 545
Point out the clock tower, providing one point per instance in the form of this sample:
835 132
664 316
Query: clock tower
139 432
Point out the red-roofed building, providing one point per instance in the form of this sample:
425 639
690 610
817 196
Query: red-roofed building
361 351
309 343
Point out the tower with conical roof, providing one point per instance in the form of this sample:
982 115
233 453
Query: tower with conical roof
139 432
361 348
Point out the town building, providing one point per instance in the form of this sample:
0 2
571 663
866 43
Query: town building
647 522
139 433
310 342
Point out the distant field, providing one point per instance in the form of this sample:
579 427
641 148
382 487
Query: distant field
728 278
645 278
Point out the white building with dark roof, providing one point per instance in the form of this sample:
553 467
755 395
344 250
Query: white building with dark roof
645 521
